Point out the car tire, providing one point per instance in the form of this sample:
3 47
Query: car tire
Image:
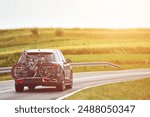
31 87
19 88
61 86
71 84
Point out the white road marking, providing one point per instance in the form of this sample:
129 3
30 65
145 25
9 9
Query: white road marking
5 91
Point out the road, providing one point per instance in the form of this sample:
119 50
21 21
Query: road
81 80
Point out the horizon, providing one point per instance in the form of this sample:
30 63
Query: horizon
20 28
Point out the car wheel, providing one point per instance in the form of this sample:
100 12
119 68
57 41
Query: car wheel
71 84
31 87
61 86
19 88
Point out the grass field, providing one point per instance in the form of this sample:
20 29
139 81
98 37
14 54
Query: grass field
131 90
5 76
73 41
127 47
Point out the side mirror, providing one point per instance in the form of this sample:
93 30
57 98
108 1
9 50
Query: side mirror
68 61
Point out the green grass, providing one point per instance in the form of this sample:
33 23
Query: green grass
109 57
126 61
127 47
131 90
5 76
77 40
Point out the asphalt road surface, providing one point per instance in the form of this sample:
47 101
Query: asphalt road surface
81 80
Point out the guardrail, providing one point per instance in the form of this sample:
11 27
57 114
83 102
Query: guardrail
78 64
5 69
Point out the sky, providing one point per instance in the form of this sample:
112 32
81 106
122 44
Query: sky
75 13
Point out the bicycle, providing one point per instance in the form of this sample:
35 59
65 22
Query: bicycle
32 68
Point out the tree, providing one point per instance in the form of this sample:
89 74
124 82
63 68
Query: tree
35 32
59 32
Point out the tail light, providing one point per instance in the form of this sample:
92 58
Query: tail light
20 80
45 79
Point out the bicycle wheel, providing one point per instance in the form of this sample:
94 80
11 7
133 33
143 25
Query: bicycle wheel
45 70
19 71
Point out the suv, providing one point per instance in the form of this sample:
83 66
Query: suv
44 67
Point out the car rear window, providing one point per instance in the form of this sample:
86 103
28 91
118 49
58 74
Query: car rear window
49 57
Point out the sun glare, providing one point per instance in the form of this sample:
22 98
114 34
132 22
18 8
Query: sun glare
75 13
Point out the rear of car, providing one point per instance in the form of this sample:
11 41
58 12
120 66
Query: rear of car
43 67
